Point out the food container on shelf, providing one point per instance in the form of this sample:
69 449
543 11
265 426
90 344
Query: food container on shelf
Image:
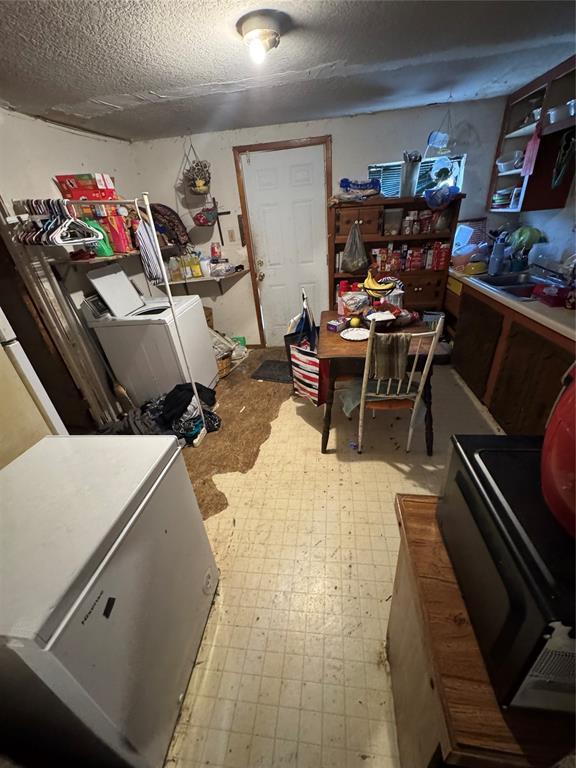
510 161
556 114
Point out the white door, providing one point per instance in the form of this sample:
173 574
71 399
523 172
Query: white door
286 199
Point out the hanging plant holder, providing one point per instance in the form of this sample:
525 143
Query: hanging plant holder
207 217
196 176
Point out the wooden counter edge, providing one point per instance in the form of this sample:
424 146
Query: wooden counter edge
455 754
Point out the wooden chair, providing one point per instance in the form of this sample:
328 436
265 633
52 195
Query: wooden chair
396 394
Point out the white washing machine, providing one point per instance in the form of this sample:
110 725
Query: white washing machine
139 337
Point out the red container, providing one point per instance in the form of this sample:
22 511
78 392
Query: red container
558 465
552 295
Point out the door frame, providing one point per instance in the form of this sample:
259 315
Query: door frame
273 146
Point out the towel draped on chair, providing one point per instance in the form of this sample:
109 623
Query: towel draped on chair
390 355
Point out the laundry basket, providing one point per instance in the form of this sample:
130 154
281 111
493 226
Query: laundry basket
224 364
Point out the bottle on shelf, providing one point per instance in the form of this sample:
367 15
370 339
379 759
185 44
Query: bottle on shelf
175 269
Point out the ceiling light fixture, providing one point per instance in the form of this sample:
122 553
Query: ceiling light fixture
261 33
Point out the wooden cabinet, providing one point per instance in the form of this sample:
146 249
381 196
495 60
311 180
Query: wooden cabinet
370 220
477 335
526 114
424 288
529 381
510 362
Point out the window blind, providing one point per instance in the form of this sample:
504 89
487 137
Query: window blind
389 175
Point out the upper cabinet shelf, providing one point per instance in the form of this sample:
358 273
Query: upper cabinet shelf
525 130
528 111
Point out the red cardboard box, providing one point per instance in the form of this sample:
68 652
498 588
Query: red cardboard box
86 186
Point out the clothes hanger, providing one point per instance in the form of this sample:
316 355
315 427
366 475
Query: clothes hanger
73 231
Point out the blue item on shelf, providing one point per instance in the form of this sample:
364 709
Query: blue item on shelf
440 196
371 185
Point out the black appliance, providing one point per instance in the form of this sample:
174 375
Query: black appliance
515 567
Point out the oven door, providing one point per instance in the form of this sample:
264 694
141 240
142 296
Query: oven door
508 623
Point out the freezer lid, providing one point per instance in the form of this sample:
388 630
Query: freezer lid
115 288
6 331
64 503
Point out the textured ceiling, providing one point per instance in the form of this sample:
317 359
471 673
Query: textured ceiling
142 69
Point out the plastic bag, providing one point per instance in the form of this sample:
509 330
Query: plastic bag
354 302
354 258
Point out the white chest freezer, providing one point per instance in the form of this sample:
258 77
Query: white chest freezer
106 582
140 340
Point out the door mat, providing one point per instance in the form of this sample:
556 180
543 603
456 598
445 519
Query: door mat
273 370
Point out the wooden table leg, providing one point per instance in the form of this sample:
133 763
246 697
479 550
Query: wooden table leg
428 421
328 409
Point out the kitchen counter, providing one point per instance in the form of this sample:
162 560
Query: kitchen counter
446 710
562 321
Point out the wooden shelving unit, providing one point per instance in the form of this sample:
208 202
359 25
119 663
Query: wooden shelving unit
377 238
166 250
552 89
216 280
424 289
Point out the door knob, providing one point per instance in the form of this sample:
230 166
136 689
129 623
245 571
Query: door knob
261 276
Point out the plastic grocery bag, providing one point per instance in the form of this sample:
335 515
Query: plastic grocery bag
354 258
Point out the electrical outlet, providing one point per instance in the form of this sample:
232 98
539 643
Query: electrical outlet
231 236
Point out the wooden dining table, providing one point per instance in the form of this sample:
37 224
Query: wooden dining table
346 359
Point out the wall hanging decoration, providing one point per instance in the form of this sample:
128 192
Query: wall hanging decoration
197 175
207 217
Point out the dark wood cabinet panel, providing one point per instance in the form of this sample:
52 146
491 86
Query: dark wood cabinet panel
540 194
476 339
529 381
370 220
424 290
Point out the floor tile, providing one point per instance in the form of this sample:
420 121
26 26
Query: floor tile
292 670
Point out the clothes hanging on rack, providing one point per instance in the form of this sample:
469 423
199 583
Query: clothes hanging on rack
168 220
51 222
145 237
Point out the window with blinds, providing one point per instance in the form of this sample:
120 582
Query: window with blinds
389 175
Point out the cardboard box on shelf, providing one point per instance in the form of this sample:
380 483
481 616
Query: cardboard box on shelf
86 186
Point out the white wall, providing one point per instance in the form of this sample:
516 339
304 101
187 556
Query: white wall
559 226
33 151
357 142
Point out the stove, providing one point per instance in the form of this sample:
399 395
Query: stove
515 567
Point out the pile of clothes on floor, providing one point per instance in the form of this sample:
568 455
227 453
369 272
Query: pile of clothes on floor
176 413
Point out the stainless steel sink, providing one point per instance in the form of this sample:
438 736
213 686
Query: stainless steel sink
517 285
512 278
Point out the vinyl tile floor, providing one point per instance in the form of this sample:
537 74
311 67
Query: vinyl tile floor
292 670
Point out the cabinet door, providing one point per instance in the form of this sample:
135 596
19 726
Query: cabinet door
423 290
369 219
476 339
529 382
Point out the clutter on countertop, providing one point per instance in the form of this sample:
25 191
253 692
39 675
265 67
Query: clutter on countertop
336 325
